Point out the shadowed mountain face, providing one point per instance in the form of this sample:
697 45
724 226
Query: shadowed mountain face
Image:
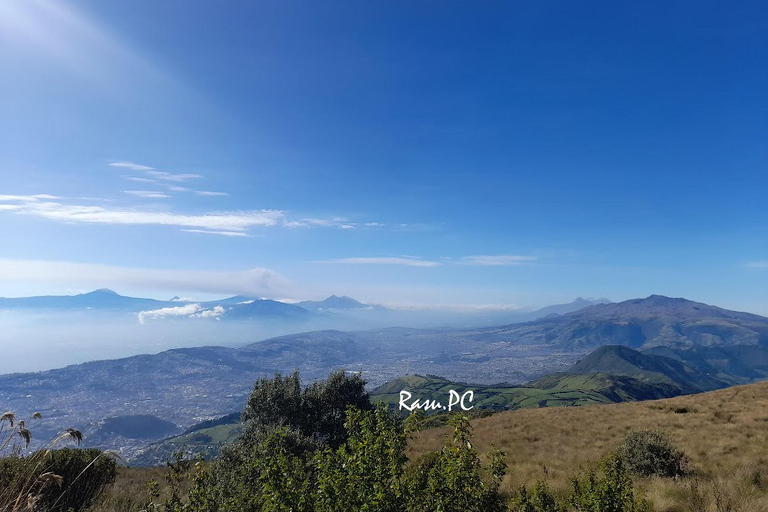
737 364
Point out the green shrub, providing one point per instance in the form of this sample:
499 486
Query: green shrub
540 500
607 488
651 453
610 490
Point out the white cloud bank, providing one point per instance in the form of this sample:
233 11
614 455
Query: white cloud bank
188 311
253 282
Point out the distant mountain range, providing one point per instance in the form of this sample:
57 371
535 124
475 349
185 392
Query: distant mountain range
237 307
703 347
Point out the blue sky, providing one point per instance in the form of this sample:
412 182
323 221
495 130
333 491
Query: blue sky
429 153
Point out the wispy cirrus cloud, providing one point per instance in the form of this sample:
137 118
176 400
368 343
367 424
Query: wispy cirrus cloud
758 264
26 199
132 166
139 179
337 222
406 261
225 223
166 179
153 173
147 194
214 232
167 176
504 260
88 214
413 261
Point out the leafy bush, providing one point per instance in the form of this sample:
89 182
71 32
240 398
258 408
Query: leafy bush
651 453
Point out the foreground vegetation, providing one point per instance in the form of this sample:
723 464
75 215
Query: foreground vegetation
325 448
51 478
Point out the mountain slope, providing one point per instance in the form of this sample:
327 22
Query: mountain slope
722 432
620 360
561 309
642 323
738 364
264 309
555 390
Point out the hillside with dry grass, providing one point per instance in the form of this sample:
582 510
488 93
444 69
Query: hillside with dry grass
724 433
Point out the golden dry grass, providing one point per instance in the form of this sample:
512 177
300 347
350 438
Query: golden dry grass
724 433
131 490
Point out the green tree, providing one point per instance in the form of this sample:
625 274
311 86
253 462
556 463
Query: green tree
317 412
364 473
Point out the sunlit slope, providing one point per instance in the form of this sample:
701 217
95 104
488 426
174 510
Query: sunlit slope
724 432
